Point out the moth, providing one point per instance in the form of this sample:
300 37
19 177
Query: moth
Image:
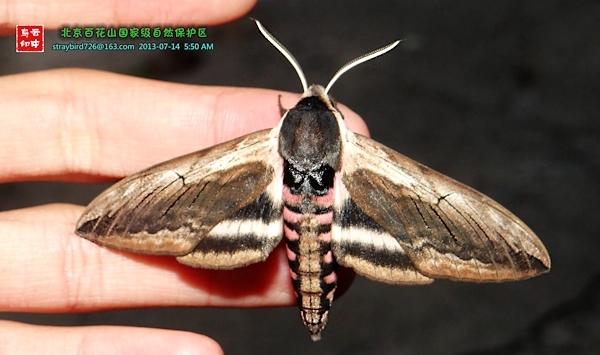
337 197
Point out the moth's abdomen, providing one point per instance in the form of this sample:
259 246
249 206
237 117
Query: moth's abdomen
307 228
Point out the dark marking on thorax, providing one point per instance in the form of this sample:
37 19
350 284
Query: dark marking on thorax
309 142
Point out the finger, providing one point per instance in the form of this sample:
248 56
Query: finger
16 338
75 124
53 270
57 13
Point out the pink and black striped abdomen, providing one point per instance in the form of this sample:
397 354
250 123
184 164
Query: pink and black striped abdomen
307 228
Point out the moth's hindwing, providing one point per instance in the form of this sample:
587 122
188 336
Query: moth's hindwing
360 243
445 229
170 208
248 236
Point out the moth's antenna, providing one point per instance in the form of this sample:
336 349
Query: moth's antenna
283 51
363 58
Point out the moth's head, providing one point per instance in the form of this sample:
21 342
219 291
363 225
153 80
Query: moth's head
318 92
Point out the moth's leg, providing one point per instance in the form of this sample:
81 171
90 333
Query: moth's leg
282 110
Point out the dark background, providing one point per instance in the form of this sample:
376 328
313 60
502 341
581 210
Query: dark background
503 96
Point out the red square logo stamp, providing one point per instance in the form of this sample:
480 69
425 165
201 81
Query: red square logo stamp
30 38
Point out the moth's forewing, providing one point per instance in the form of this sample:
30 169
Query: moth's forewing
169 208
447 229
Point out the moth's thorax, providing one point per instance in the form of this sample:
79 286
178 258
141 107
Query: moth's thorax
310 133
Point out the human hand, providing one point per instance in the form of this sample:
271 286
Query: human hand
89 126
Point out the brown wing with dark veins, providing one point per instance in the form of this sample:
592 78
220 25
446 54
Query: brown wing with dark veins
446 229
170 208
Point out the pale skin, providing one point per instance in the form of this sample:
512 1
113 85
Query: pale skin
76 125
